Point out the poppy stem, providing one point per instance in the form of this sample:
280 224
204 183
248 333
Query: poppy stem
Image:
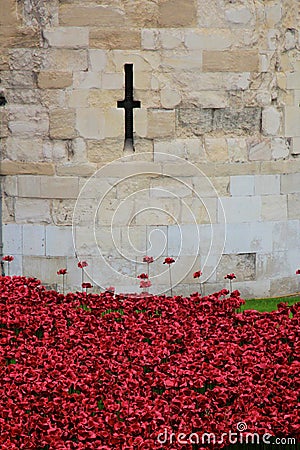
170 280
8 271
201 289
230 284
81 280
63 284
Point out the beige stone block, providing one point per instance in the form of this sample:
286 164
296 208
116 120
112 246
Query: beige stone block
175 13
23 168
150 39
59 187
91 15
293 206
32 211
208 39
142 61
199 211
280 148
274 167
62 124
53 98
80 170
293 80
156 211
114 123
8 14
78 98
140 120
169 98
98 60
271 120
62 211
67 37
186 149
21 149
90 123
54 80
211 187
29 186
230 61
292 120
112 81
148 98
259 151
274 207
165 187
273 13
129 168
10 185
237 150
143 80
171 39
181 60
238 15
104 98
87 80
121 39
21 37
65 60
216 149
161 124
44 268
219 170
141 13
28 121
105 150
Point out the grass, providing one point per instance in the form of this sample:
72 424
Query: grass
268 304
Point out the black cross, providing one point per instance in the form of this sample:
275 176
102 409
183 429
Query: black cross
128 104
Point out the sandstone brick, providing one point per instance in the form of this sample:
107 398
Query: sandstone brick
59 187
67 37
8 14
28 120
65 60
216 149
19 168
97 59
141 13
90 123
160 123
274 207
104 150
121 39
80 170
32 211
62 124
90 15
20 37
54 80
230 61
175 13
198 121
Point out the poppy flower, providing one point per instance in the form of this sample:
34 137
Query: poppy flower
62 272
148 259
298 272
87 285
230 276
145 283
197 274
168 261
143 276
8 258
82 264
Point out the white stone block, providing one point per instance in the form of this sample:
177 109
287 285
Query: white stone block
285 235
290 183
292 121
274 207
90 123
67 37
280 148
271 121
34 240
273 13
169 97
29 186
293 206
12 239
112 81
149 39
238 15
170 39
210 39
32 210
87 80
266 184
240 209
184 240
260 151
187 149
242 185
59 241
98 60
293 80
248 238
296 146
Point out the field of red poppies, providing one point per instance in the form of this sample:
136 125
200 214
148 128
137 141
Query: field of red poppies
86 371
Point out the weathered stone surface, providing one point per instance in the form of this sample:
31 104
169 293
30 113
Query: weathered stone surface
175 13
67 37
161 123
241 209
267 184
28 120
259 151
290 183
246 120
243 265
170 98
271 121
32 211
18 168
65 60
80 170
90 15
29 186
274 207
54 80
141 13
208 39
293 206
230 61
59 241
62 124
198 121
292 119
280 148
59 187
105 150
216 149
11 37
237 149
239 15
242 185
62 211
97 59
90 123
122 39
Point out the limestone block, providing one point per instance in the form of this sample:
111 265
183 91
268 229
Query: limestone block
10 185
236 81
142 61
34 240
210 187
29 186
266 184
187 149
283 166
87 80
181 60
130 168
4 131
273 13
272 39
43 268
285 235
170 39
149 99
292 120
274 207
54 80
205 99
90 123
8 209
23 168
239 15
216 149
243 265
290 183
59 187
59 241
248 237
121 39
62 124
112 81
199 210
21 149
296 146
271 121
65 60
183 240
9 15
246 120
95 188
76 169
28 121
259 151
105 150
237 149
169 98
208 39
199 121
62 211
53 98
163 187
293 79
114 123
175 13
230 61
32 211
156 211
12 239
141 13
149 39
98 60
78 98
103 98
242 185
290 39
67 37
280 148
90 15
285 285
240 209
293 206
161 123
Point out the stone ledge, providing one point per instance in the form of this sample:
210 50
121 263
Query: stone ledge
8 167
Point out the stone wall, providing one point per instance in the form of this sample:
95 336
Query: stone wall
217 141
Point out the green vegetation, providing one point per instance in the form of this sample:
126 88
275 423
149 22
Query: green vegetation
268 304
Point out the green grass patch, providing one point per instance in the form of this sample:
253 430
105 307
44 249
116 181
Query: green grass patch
268 304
